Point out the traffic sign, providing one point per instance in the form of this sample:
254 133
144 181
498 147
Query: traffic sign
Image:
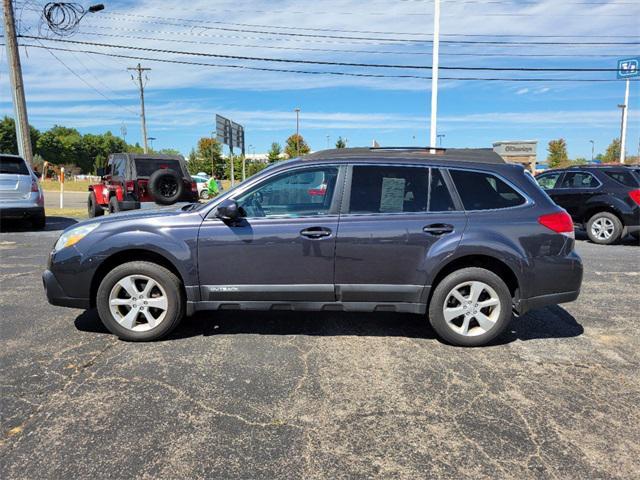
629 68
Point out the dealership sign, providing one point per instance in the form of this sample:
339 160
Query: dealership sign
516 148
629 68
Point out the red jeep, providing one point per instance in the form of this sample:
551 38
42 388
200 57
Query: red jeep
133 181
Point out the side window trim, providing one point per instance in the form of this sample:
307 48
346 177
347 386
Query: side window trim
528 200
334 208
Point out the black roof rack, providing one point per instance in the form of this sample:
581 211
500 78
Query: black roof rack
480 155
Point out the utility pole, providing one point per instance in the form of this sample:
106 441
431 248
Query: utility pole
23 135
434 73
623 127
297 110
139 69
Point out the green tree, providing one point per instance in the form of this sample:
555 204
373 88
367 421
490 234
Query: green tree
295 145
557 156
8 140
207 157
274 152
612 154
340 143
579 161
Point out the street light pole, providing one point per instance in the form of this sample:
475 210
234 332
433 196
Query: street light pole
440 137
297 110
434 73
593 146
623 127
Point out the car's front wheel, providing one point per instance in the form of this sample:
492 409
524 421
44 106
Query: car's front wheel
140 301
470 307
604 228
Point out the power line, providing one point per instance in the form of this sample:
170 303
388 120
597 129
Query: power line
48 49
320 62
385 39
347 74
335 50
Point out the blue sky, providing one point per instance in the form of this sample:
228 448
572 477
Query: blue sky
182 100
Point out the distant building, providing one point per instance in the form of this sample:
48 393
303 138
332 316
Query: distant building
518 151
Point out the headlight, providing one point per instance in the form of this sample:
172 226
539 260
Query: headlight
74 235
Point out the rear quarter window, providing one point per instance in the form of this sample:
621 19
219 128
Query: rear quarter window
13 165
485 191
625 178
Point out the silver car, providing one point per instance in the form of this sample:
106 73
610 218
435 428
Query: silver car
20 192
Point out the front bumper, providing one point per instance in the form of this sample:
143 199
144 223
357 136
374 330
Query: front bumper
57 296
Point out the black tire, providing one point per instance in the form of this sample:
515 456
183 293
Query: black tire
609 219
166 186
39 221
204 194
169 283
114 206
93 208
445 287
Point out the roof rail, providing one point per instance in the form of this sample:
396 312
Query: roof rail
409 149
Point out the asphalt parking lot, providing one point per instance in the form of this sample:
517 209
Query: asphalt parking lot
323 395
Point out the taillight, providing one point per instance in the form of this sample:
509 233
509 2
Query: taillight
635 195
34 186
194 187
130 185
559 222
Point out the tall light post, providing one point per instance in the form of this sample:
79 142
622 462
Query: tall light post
297 110
434 72
151 139
440 137
328 142
593 147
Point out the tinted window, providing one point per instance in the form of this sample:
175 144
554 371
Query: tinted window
548 181
146 166
119 167
484 191
388 189
579 180
13 165
296 194
625 178
440 200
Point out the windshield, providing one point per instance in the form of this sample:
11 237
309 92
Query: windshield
146 166
13 165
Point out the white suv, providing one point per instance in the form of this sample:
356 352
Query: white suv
20 192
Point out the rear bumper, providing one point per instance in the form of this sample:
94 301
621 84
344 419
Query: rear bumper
26 211
522 306
57 296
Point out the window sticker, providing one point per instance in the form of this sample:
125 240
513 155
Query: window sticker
392 194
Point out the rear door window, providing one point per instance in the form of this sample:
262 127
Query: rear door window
625 178
397 189
485 191
13 165
579 180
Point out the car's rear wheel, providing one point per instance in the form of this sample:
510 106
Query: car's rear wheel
604 228
204 194
140 301
93 208
470 307
114 206
166 186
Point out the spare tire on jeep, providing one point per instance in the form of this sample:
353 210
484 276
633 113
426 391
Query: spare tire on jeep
166 186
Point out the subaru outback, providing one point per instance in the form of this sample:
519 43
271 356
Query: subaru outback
459 237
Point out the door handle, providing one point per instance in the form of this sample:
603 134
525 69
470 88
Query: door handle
438 228
315 232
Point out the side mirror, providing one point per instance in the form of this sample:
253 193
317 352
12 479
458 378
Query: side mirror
100 171
229 211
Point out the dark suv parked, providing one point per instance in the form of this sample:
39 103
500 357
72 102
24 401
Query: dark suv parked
458 234
604 200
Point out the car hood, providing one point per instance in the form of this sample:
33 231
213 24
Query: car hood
133 215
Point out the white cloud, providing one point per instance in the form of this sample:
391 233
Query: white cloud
522 91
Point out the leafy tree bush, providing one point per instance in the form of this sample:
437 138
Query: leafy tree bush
557 156
274 152
295 144
340 143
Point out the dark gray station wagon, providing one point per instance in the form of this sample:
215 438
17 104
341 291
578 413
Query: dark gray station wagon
457 236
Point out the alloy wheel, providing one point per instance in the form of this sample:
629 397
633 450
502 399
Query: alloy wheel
138 303
602 228
471 308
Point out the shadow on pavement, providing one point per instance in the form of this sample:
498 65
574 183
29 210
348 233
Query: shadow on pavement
581 235
54 224
550 322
